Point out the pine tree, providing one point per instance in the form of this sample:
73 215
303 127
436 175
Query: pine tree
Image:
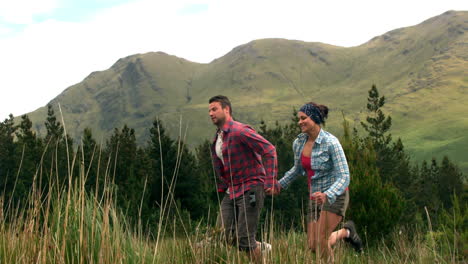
30 149
8 159
90 156
402 177
163 157
377 124
426 196
188 185
207 179
143 172
392 161
55 130
374 205
122 150
162 154
58 158
454 225
436 205
450 182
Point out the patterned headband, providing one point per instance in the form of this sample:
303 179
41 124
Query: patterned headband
313 112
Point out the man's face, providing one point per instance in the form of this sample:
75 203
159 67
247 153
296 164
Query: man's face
217 113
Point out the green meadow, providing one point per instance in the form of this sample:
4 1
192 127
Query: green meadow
68 225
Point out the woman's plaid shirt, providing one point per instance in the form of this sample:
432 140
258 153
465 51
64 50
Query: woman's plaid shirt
243 150
327 160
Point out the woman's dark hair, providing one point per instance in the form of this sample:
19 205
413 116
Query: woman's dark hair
223 100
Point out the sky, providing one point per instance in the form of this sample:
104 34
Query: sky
49 45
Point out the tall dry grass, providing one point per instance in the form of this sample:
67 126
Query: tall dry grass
69 225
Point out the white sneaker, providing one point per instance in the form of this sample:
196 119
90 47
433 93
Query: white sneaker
265 247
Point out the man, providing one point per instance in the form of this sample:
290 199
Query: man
237 152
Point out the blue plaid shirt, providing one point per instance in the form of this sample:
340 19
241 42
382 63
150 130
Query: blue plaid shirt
327 160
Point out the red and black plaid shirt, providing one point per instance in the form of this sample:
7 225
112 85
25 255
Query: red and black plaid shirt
243 150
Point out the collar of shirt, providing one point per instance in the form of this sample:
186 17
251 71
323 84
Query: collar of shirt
318 140
226 127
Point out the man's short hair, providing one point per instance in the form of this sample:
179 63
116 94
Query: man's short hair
223 100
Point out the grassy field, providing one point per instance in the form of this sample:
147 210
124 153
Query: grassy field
69 225
84 230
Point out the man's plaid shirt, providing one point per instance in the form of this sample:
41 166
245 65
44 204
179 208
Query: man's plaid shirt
243 150
327 160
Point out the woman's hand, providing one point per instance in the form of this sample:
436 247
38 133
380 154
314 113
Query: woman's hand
319 197
272 191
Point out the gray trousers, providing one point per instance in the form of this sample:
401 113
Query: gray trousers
240 217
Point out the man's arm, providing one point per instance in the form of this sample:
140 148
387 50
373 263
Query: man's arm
265 149
218 170
222 186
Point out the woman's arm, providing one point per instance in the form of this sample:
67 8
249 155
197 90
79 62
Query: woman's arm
340 168
291 175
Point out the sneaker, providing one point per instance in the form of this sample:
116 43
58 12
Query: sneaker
265 247
353 238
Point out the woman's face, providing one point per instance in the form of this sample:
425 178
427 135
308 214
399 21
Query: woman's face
306 124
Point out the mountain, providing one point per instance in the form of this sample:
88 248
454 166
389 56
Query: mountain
422 71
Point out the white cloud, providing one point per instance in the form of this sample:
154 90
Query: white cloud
5 30
47 57
23 11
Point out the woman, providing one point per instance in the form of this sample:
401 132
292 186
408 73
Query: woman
319 155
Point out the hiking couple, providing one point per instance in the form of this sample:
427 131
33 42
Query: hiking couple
246 165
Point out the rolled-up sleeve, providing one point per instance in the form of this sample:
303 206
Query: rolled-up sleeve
340 169
296 170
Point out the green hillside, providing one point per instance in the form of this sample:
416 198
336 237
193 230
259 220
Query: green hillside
422 70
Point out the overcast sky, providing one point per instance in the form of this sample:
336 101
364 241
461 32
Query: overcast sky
49 45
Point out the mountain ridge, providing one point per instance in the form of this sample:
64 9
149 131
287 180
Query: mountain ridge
421 70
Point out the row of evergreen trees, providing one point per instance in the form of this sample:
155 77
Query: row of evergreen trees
387 188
